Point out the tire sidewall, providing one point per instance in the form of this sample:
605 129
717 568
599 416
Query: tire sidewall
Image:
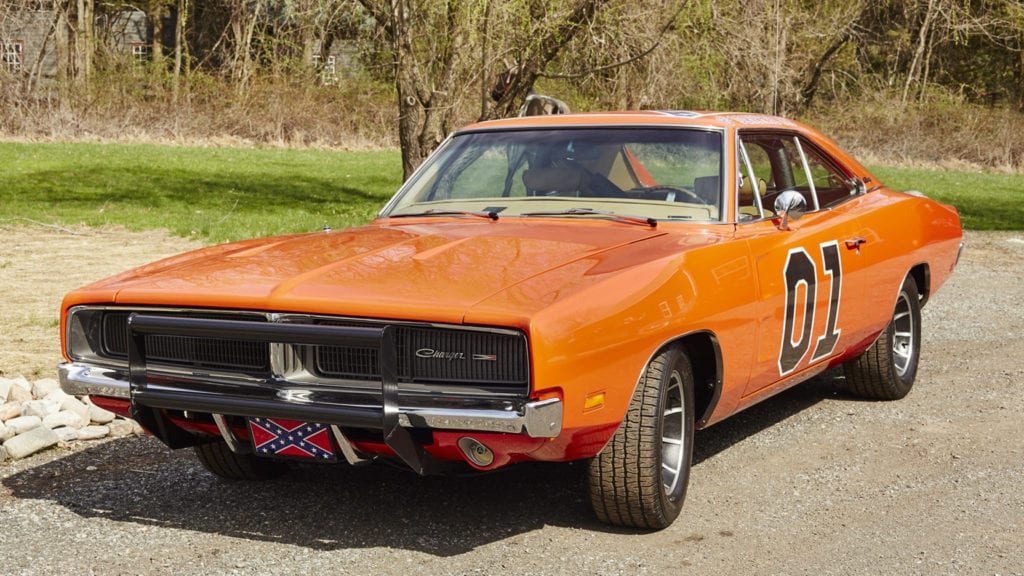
678 364
908 291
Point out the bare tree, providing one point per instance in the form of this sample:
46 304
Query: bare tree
180 47
85 23
439 48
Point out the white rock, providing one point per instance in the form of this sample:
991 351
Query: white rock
41 408
23 383
10 410
100 415
119 428
18 394
3 454
30 442
40 388
5 387
93 432
23 424
6 433
63 418
75 405
58 396
66 434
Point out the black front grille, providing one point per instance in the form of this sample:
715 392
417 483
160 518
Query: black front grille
192 352
493 360
350 363
435 355
208 353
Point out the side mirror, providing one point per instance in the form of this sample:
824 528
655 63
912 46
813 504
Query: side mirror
790 204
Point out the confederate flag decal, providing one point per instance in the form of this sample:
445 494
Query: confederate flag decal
274 437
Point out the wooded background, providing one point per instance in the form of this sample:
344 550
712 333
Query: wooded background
904 80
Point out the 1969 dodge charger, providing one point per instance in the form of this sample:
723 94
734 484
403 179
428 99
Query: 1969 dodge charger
579 287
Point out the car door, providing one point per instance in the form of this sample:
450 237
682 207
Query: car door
810 272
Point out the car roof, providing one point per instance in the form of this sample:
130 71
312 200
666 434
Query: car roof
681 118
652 117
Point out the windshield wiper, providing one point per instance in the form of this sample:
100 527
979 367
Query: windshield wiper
591 212
493 215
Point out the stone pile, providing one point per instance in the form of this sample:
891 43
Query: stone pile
38 415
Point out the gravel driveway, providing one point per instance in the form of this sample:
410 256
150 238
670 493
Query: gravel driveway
809 482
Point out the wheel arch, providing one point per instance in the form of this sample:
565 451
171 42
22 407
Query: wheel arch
922 274
706 361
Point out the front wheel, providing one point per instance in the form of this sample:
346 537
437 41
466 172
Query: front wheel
640 478
887 370
217 458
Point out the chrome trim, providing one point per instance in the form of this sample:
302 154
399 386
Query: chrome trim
82 380
234 443
807 172
538 419
351 455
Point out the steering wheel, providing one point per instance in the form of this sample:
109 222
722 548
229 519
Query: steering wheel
675 190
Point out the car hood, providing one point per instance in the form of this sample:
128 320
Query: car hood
430 271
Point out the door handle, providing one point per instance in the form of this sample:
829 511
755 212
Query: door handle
855 243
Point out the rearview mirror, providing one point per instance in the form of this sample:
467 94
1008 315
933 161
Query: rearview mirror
790 204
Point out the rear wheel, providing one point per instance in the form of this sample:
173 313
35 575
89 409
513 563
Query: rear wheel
219 459
887 370
640 478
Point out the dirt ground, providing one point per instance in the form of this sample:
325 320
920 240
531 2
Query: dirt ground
810 482
39 264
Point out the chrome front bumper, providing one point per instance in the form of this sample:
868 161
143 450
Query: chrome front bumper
536 419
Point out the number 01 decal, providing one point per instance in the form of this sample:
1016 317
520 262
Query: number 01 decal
801 274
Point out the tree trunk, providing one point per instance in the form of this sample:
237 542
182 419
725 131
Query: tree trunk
407 82
485 59
84 40
919 54
242 25
156 21
180 48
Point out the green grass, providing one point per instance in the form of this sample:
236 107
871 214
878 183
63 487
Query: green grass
221 194
985 201
215 194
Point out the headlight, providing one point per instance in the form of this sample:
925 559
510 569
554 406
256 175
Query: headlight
85 333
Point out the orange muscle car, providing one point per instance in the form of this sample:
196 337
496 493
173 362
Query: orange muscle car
590 286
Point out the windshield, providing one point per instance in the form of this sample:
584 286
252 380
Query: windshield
659 173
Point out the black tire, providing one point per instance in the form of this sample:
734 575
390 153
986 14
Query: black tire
220 460
886 370
639 480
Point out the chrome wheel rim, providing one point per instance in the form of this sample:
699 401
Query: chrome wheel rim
673 425
902 335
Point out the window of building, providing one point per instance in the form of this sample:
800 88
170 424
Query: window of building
142 52
12 54
327 67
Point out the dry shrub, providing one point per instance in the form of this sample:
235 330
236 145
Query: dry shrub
944 132
135 106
